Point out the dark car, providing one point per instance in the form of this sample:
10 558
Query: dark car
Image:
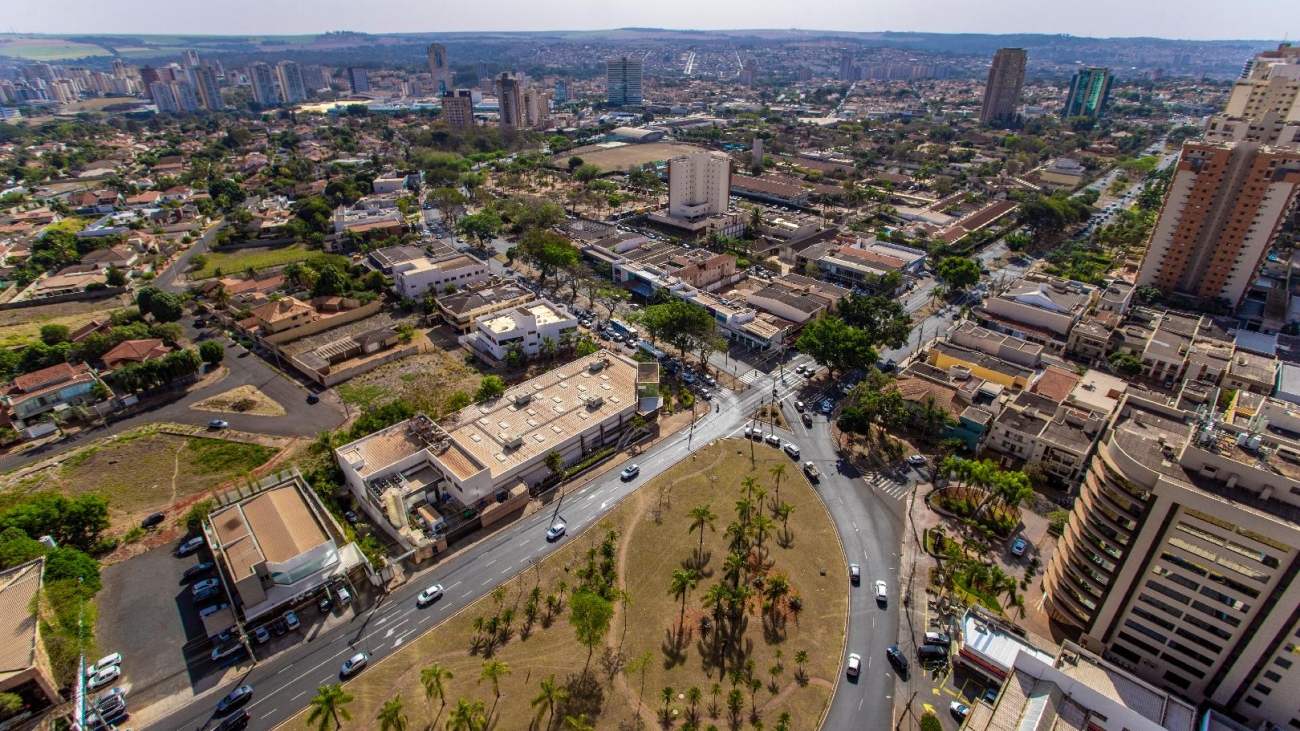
806 418
153 521
325 604
313 398
278 628
932 654
234 722
197 570
235 698
896 658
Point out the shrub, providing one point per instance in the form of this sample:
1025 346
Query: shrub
194 517
133 535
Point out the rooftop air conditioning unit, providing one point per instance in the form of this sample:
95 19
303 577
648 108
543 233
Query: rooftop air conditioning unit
523 399
595 402
512 442
597 365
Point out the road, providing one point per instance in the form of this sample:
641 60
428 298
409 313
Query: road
868 526
167 280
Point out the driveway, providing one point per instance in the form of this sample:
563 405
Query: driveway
167 280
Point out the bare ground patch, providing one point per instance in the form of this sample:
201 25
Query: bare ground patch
241 400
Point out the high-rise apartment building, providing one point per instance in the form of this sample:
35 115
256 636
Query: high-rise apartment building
484 76
1265 101
1089 92
208 88
510 101
440 68
848 70
358 81
1181 557
623 82
1005 82
748 72
561 91
292 88
1222 209
176 97
190 59
148 77
699 185
458 108
315 78
263 80
537 108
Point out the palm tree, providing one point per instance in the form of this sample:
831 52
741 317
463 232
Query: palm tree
693 697
733 567
683 580
667 695
749 483
762 524
783 512
577 723
778 471
743 509
555 462
702 517
801 659
330 702
494 670
391 717
933 419
550 694
466 716
431 678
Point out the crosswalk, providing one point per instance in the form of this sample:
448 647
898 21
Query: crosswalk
887 486
752 375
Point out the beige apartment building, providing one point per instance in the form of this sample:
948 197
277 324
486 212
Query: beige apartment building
699 185
1223 207
1006 81
1035 429
458 108
1180 558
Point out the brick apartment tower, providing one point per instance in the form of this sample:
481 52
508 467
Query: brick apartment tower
1006 80
1224 205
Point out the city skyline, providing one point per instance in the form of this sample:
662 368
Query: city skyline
1198 20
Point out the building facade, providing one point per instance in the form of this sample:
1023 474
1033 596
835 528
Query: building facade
458 108
510 101
1005 82
262 78
292 89
1089 92
358 81
623 82
209 90
440 69
1223 207
699 185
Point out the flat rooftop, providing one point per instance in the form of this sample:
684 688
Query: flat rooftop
274 526
1126 690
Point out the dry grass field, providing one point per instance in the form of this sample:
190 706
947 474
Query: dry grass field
241 400
792 655
625 157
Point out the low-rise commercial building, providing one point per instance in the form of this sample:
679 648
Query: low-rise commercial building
411 279
999 345
530 329
460 309
1041 310
946 355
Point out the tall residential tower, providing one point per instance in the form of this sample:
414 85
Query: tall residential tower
440 68
1005 82
1089 92
623 82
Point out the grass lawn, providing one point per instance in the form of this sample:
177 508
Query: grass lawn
239 260
23 326
644 555
143 473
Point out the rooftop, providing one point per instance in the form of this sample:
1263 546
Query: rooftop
18 632
274 526
1126 690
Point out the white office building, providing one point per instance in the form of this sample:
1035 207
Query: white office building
527 328
411 279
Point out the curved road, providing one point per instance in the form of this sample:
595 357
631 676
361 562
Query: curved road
866 522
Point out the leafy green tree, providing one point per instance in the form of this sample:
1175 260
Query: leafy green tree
458 401
575 162
226 193
76 522
834 344
885 321
547 252
590 615
331 283
683 324
958 273
586 173
546 699
71 564
490 387
54 333
482 227
212 352
16 547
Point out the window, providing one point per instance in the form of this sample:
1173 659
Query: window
1263 689
1282 662
1272 676
1177 680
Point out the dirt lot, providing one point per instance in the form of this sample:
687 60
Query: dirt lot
145 472
426 381
625 157
376 321
645 552
242 400
23 326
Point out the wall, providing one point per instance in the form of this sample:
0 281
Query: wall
323 324
74 297
338 375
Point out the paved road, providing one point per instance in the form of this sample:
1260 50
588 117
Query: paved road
167 280
286 681
301 419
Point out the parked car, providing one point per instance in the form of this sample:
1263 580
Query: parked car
854 664
916 460
104 662
209 593
354 664
313 398
205 584
806 418
291 621
351 517
235 698
932 653
773 439
190 546
325 604
991 695
153 521
226 650
104 677
197 570
262 635
432 594
938 638
629 472
1018 548
212 609
555 532
791 450
882 593
826 407
959 710
855 573
800 406
217 424
278 627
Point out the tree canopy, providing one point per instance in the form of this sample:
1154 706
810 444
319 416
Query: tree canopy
685 325
885 321
834 344
958 272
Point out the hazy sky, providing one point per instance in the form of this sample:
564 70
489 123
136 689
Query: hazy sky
1201 19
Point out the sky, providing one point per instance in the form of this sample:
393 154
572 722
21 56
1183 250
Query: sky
1188 19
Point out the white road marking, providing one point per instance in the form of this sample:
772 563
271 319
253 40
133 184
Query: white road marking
453 586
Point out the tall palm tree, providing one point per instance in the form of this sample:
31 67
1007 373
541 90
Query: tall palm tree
431 678
783 512
391 717
749 483
466 716
329 703
550 694
702 517
762 524
778 471
683 580
494 670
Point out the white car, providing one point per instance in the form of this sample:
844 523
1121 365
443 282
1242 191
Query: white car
555 531
354 663
629 472
791 450
205 584
104 677
104 662
773 439
854 665
882 594
432 594
916 460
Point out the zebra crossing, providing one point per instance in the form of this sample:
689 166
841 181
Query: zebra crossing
888 486
752 375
